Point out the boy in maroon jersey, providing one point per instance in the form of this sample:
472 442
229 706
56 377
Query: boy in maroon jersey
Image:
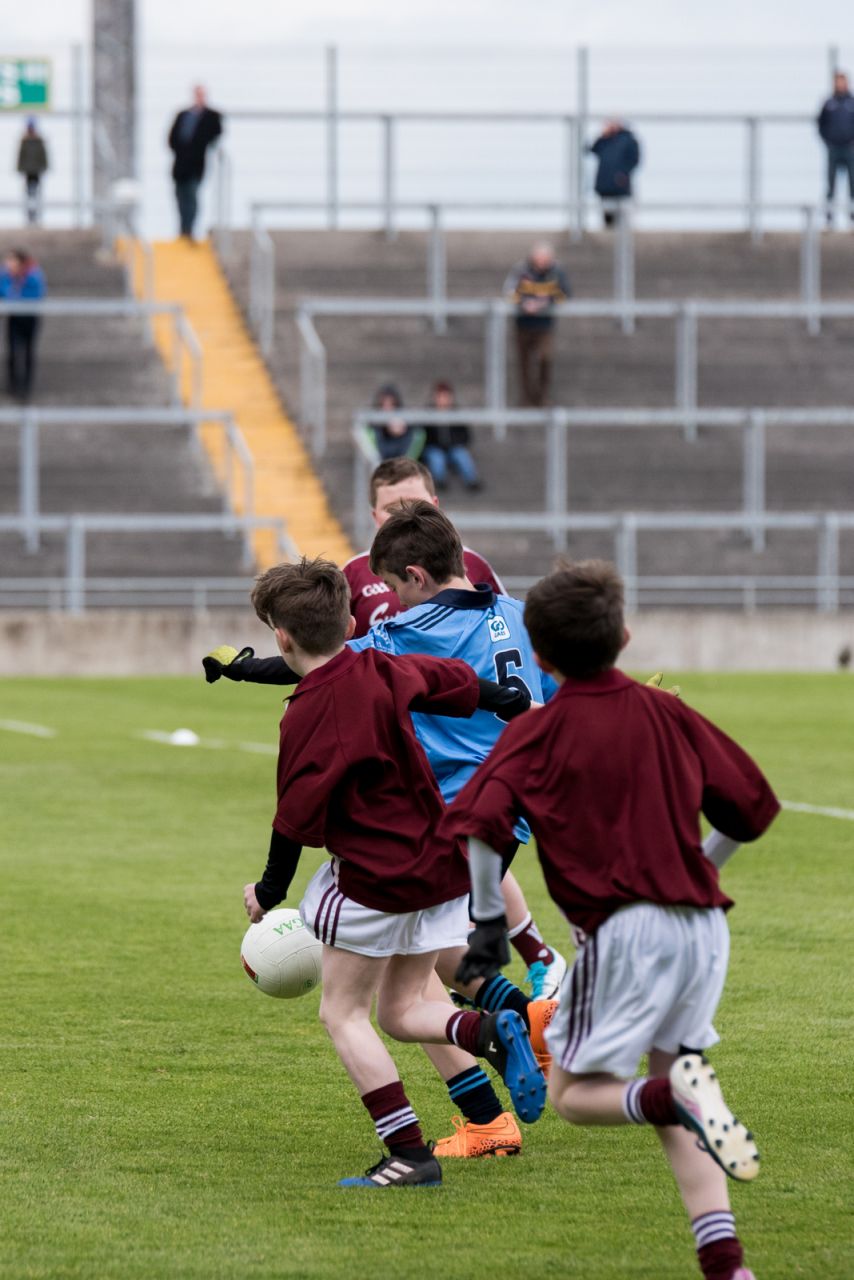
612 777
353 778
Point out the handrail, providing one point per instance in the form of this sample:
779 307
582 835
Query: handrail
497 311
30 419
76 528
262 287
185 340
556 424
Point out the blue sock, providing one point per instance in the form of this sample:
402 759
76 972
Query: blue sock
497 994
475 1096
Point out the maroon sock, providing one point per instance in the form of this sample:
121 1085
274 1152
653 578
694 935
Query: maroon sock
656 1102
394 1120
721 1259
528 941
463 1030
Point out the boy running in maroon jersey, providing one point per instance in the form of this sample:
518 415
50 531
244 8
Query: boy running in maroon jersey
372 601
353 778
612 777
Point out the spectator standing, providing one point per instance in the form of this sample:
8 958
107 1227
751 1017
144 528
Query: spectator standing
534 287
618 153
396 438
32 164
21 278
446 445
191 134
836 127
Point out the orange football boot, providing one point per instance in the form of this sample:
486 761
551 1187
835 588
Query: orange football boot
501 1137
540 1014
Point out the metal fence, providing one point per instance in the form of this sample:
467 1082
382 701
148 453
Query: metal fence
827 590
238 463
73 593
557 424
262 252
185 344
495 314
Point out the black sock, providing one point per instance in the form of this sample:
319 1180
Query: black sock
475 1096
418 1155
497 994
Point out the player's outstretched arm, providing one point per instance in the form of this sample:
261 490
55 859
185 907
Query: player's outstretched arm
272 888
488 951
226 661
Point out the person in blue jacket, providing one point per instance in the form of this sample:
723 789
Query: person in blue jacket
836 129
21 278
618 152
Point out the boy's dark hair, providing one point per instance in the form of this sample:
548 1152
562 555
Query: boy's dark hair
388 391
395 470
575 618
310 600
421 534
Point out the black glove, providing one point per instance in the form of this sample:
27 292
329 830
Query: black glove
225 661
487 953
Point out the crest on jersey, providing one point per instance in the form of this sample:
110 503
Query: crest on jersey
498 629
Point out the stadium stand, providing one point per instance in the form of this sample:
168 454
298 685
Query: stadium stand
90 468
742 363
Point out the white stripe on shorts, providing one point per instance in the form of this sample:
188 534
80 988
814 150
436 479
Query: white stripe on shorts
581 1001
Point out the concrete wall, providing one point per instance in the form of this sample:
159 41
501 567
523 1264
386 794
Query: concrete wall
123 643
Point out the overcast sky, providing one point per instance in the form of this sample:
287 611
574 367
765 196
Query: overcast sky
498 22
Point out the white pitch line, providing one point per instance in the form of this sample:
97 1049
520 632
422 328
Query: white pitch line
847 815
210 744
23 726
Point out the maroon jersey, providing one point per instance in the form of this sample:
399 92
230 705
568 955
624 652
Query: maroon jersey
612 777
353 777
371 601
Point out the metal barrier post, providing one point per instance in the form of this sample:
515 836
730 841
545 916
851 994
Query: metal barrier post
222 230
437 270
29 479
75 565
753 476
78 131
626 553
583 94
811 270
573 172
332 136
828 565
361 477
686 368
557 476
388 176
753 179
495 365
624 263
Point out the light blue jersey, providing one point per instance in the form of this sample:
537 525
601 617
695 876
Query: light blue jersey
486 631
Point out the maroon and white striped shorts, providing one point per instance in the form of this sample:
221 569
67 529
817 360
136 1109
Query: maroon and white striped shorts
649 978
340 922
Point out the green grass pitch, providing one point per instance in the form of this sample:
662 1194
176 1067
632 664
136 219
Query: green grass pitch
160 1118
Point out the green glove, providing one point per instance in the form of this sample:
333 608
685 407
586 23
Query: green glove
225 661
655 683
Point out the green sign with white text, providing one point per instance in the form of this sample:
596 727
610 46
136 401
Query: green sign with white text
24 83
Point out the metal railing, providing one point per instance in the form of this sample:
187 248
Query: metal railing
185 344
557 424
77 527
263 253
199 595
29 420
569 155
496 312
825 587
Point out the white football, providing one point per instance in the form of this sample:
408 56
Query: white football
281 956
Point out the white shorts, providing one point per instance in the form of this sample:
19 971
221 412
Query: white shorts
649 978
340 922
